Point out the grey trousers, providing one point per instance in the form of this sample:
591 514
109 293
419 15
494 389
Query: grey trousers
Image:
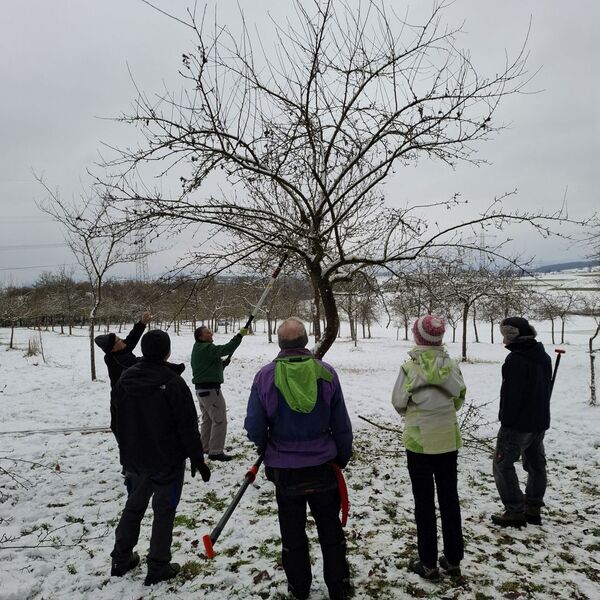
165 490
510 446
213 426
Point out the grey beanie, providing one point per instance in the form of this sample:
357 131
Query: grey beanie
106 341
516 329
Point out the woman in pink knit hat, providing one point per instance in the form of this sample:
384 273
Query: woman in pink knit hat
428 392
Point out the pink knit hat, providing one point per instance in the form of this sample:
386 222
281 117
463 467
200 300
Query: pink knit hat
429 330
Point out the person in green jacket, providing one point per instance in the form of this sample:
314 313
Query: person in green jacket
207 367
428 392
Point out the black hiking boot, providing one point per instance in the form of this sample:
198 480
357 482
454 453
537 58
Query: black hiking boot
296 594
221 456
345 591
533 514
452 570
168 572
509 519
118 568
431 574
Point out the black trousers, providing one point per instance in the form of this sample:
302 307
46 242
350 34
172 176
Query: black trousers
317 488
165 491
424 470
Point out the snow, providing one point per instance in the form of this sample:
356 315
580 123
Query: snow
59 509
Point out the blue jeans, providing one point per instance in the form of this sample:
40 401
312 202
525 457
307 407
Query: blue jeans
510 446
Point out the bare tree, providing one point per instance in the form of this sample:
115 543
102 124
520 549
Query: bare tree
302 136
97 242
15 305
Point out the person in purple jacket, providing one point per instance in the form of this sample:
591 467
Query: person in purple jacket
297 416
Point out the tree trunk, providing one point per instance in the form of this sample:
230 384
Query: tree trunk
12 334
269 329
465 323
453 333
562 330
92 352
332 318
552 322
492 330
475 324
593 401
316 312
406 329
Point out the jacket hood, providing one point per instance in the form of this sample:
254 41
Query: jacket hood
431 365
297 377
147 375
529 346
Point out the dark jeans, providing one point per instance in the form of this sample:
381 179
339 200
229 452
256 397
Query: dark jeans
510 446
165 491
424 470
317 487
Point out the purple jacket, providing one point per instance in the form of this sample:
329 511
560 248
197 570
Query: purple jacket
294 439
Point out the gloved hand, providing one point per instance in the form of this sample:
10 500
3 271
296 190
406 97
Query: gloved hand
244 331
202 467
226 362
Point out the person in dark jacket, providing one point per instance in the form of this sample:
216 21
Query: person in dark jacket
524 418
118 355
207 368
297 415
156 425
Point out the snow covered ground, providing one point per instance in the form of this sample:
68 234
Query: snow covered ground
61 493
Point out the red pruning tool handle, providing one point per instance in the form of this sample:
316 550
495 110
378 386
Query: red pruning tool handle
343 489
251 474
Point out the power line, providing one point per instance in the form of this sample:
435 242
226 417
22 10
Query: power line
37 267
25 246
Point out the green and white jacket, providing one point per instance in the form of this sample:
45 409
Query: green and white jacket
428 392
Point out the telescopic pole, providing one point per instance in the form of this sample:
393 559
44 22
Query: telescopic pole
559 353
262 299
249 478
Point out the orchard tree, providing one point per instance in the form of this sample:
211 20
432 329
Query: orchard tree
300 136
97 241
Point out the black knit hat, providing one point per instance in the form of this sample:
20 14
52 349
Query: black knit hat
516 329
156 345
106 341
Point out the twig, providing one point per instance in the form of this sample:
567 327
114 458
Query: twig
59 430
379 426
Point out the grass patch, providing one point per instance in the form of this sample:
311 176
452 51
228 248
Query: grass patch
211 500
191 569
185 521
567 557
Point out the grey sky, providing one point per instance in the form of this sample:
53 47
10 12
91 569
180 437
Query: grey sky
65 64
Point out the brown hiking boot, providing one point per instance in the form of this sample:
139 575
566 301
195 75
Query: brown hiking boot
533 514
509 519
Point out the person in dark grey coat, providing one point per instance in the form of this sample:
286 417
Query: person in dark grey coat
156 425
118 355
524 418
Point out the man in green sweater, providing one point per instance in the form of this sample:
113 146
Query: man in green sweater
207 368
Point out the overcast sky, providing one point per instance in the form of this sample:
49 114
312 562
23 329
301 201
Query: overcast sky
65 73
